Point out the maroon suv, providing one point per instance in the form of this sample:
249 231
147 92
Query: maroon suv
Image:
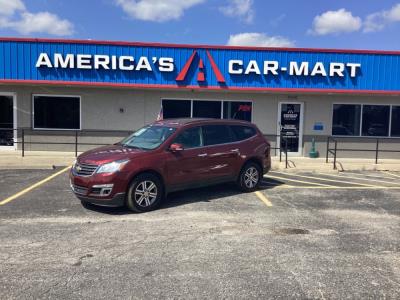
171 155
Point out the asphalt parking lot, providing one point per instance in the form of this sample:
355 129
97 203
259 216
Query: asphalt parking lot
303 235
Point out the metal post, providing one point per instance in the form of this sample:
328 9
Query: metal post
23 141
76 143
376 151
334 158
280 148
327 148
286 162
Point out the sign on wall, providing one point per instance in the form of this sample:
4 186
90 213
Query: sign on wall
166 66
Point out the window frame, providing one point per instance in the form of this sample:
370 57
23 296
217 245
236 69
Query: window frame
231 135
178 99
200 127
234 134
212 99
391 116
60 96
389 136
208 100
360 124
202 136
15 119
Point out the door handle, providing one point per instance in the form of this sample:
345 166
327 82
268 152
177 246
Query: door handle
202 155
235 151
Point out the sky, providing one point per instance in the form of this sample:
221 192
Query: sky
345 24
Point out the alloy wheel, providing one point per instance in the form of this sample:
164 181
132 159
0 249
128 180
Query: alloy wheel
251 177
145 193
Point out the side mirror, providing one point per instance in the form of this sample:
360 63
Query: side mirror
175 147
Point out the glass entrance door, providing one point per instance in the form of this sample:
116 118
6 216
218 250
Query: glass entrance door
290 126
6 121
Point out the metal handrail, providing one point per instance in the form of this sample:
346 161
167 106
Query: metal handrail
331 151
282 147
75 135
80 133
335 149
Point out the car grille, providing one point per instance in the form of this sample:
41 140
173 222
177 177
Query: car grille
84 169
81 190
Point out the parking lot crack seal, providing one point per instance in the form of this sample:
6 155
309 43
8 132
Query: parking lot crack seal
80 260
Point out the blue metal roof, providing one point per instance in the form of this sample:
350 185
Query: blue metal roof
378 71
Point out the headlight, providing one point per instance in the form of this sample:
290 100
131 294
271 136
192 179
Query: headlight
112 167
73 164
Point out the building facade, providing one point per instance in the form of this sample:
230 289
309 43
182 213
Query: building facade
57 90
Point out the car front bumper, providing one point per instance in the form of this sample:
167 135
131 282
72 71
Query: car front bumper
117 200
99 190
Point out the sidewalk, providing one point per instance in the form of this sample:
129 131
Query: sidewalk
48 159
35 159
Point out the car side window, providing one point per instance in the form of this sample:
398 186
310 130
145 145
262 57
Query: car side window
216 134
189 138
243 132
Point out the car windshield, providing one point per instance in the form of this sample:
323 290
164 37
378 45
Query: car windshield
148 137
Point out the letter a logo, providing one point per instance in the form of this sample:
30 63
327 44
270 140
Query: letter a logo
201 69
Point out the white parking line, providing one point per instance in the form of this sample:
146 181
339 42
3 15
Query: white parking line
325 179
391 174
368 175
340 187
344 176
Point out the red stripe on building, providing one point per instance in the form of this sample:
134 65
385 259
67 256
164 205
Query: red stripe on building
182 75
217 72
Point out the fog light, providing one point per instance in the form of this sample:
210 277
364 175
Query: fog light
102 189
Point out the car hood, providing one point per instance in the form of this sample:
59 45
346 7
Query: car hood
107 154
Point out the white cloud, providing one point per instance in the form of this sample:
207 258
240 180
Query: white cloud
394 13
9 7
335 22
42 22
379 20
239 8
16 17
156 10
258 40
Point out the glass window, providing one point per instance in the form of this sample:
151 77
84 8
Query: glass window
190 138
237 110
395 131
346 119
6 121
148 137
243 132
176 109
207 109
55 112
216 134
375 120
240 110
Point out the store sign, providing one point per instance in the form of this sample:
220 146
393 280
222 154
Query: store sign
167 64
105 62
151 65
294 68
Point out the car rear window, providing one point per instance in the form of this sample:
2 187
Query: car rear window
243 132
216 134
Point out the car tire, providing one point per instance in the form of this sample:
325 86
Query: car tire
250 177
145 193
